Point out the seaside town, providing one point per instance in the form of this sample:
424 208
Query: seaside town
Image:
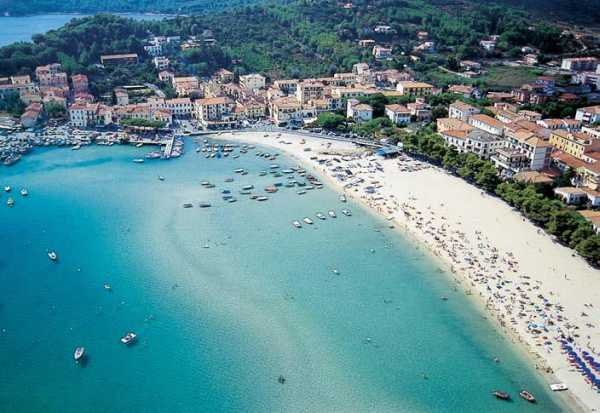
355 130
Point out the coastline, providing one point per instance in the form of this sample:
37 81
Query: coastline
549 362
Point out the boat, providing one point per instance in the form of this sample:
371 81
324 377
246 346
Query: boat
320 216
229 180
138 160
52 255
262 198
107 287
76 147
343 198
271 189
332 214
244 192
346 212
308 220
7 188
501 395
128 338
188 205
297 224
301 192
24 192
281 380
248 187
79 354
139 145
10 202
204 205
161 178
527 396
558 387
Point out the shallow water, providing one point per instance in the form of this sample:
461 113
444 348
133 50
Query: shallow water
218 325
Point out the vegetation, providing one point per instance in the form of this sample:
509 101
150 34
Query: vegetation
144 123
534 202
507 77
55 110
12 103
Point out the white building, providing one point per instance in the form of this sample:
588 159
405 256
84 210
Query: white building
579 64
161 62
591 114
475 141
253 81
360 112
487 123
398 114
462 111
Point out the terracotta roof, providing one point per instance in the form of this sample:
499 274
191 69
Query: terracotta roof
488 120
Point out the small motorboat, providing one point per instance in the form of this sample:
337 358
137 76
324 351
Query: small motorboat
281 380
7 189
138 160
501 395
262 198
301 192
128 338
308 220
297 224
188 205
10 202
107 287
204 205
332 214
343 198
346 212
52 255
320 216
161 178
527 396
79 354
24 192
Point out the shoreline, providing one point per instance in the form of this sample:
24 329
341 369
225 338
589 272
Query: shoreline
551 368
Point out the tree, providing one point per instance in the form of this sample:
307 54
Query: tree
590 249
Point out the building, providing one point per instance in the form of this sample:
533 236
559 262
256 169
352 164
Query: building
590 114
285 110
80 84
119 59
180 107
32 115
571 195
414 88
216 112
161 62
253 81
488 45
575 144
579 64
381 52
359 112
475 141
446 124
366 43
121 97
84 115
566 124
307 90
487 123
185 85
462 111
593 217
224 76
398 114
524 150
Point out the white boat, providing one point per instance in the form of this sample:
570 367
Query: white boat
161 178
76 147
320 216
107 287
139 145
558 387
24 192
10 202
297 224
128 338
138 160
308 221
7 188
343 198
262 198
79 353
52 255
346 212
332 214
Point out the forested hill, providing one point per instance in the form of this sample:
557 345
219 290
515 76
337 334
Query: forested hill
22 7
585 12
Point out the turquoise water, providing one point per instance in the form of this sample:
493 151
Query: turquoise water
21 28
218 325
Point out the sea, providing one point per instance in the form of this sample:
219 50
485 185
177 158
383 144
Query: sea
235 309
21 28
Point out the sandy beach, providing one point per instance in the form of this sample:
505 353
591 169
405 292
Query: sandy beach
538 291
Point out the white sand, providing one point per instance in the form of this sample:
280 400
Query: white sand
495 253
